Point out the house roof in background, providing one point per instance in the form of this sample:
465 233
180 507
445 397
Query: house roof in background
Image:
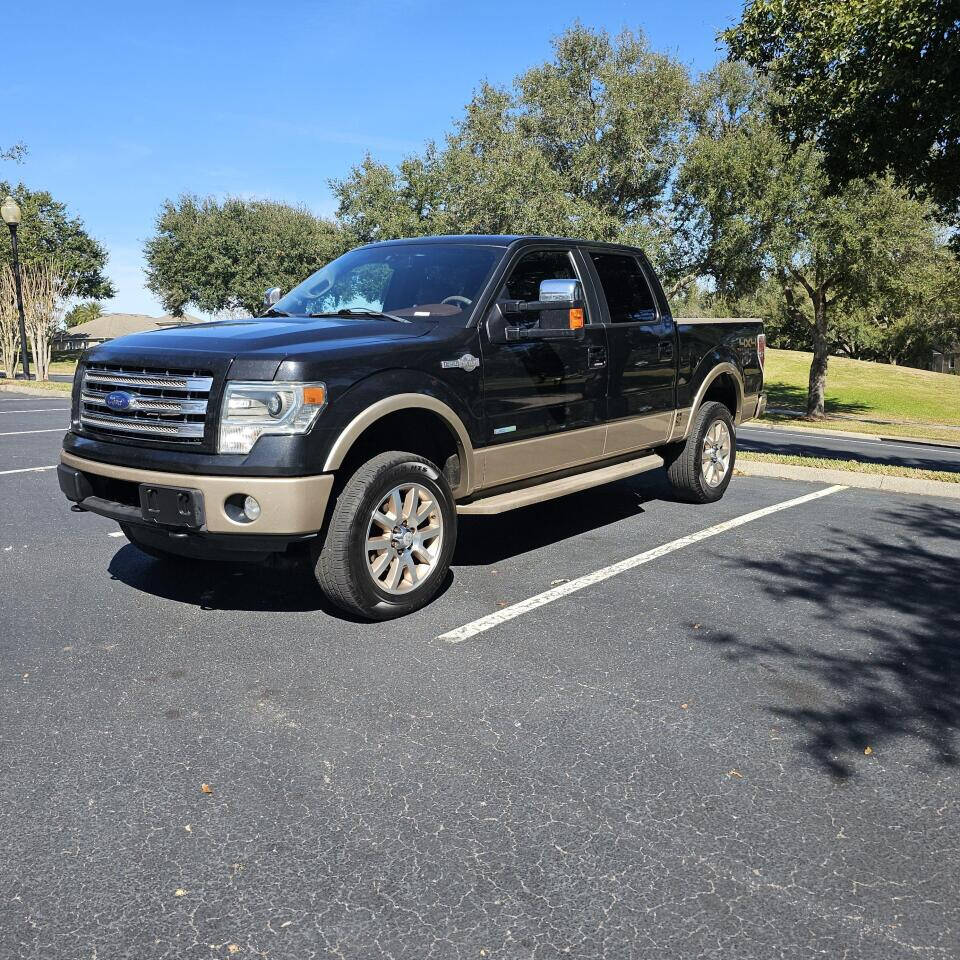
111 325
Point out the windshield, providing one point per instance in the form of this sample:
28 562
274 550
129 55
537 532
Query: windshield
408 280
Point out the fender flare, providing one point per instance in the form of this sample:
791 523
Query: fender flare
407 401
717 371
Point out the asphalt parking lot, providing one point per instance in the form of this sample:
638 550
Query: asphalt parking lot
742 747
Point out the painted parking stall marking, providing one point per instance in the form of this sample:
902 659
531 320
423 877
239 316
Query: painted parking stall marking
598 576
39 410
20 433
4 473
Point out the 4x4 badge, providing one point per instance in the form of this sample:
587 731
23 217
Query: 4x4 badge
467 362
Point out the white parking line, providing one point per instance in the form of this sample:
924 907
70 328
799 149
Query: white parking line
20 433
28 470
39 410
541 599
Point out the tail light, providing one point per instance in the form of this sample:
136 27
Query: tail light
761 348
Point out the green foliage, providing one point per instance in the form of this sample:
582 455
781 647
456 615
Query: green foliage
47 233
14 154
872 82
82 313
583 145
222 256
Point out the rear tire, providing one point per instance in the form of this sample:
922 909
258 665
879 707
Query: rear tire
700 469
390 538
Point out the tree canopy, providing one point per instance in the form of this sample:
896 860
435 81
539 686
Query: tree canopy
221 256
47 232
582 145
873 82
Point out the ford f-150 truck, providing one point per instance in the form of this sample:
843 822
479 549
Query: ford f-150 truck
403 384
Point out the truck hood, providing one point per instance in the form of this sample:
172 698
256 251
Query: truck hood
274 337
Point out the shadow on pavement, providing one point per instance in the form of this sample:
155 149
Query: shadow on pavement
486 540
894 670
211 585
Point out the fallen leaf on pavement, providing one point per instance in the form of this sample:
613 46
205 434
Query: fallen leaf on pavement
556 583
735 773
868 751
206 788
179 892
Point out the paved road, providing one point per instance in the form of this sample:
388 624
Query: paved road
669 763
825 444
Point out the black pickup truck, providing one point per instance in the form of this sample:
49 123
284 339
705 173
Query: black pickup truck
404 383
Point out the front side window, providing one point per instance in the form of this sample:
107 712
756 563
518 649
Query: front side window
525 279
437 280
628 294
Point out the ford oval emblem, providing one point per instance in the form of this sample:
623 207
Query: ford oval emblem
119 400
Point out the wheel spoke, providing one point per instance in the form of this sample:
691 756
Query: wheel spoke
396 573
380 565
411 568
396 506
383 520
378 544
426 508
409 503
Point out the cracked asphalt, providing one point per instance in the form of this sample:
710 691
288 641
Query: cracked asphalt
743 749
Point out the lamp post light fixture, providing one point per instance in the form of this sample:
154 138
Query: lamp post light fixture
10 211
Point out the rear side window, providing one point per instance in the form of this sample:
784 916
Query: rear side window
628 294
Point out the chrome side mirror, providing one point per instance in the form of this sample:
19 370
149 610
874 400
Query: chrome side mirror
569 290
271 296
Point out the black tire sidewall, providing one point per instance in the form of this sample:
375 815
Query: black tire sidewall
377 603
707 417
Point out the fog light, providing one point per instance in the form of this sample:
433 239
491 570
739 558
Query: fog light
251 508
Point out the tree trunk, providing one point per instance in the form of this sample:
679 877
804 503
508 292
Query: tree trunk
818 367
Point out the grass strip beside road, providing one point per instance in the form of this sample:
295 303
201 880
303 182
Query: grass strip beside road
851 466
59 388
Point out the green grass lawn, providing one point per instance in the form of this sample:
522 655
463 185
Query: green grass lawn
864 390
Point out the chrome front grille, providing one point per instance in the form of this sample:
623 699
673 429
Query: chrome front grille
160 404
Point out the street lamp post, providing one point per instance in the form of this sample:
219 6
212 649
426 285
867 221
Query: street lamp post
10 211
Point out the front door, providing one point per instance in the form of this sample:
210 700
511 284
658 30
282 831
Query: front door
642 343
539 390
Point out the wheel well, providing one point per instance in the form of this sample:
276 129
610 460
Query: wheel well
724 390
413 431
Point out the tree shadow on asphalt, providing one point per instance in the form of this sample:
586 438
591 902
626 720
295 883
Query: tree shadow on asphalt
894 671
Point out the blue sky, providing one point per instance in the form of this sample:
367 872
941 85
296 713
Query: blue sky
123 105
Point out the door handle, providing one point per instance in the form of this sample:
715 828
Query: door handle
596 357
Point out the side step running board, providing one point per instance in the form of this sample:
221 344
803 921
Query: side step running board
502 502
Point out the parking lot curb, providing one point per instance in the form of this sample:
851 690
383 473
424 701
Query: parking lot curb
849 478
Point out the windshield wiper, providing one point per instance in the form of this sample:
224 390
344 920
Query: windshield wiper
274 312
362 312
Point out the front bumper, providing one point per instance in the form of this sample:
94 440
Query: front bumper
291 507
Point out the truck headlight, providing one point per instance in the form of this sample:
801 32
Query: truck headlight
252 409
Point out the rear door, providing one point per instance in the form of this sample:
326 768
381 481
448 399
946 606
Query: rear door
642 345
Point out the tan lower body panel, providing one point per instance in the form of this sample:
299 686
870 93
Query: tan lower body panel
502 502
523 459
288 505
638 433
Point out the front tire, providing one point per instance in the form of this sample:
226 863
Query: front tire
390 538
700 469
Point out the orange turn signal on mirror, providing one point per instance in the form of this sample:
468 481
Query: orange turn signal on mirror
315 395
576 318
